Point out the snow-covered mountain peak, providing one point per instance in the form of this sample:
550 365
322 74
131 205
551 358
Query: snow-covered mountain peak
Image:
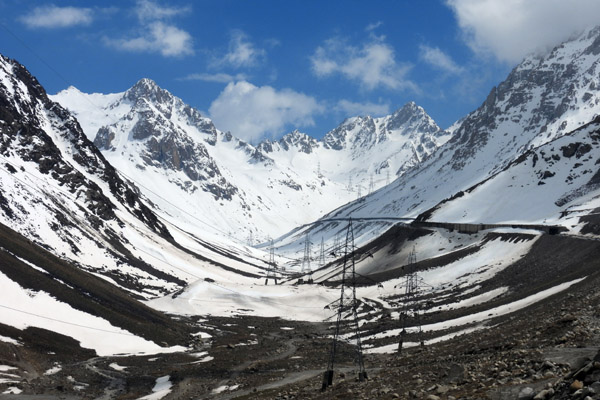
147 89
153 136
299 140
12 84
527 116
411 120
542 98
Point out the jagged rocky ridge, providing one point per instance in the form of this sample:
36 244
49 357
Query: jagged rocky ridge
59 191
543 99
237 188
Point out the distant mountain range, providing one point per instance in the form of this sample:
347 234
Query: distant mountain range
109 178
528 154
187 167
60 192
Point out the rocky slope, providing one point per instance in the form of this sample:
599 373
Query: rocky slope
507 149
188 167
58 190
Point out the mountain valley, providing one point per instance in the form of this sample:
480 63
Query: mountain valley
144 253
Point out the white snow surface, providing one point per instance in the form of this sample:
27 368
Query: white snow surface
161 388
286 301
477 317
41 310
279 185
542 100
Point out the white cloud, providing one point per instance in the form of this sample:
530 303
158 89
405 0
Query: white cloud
437 58
147 10
52 16
218 77
373 65
157 37
511 29
241 52
373 26
251 112
349 108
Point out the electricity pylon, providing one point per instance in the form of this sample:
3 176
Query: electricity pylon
272 271
337 243
412 286
322 254
305 269
347 304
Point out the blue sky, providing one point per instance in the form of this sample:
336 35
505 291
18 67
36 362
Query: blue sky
262 68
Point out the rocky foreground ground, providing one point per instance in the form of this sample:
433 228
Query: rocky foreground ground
549 350
546 351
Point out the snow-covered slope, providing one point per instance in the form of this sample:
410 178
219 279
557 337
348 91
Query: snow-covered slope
58 190
193 172
541 100
545 185
42 291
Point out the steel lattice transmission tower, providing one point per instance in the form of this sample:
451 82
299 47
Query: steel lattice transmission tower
322 253
305 270
348 305
272 271
412 286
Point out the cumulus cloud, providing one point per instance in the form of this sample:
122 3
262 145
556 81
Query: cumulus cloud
350 108
251 112
512 29
219 77
147 10
241 53
52 16
157 37
372 65
438 59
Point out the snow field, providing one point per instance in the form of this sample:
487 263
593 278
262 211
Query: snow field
474 318
41 310
161 388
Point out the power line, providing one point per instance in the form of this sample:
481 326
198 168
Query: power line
87 99
44 62
68 323
177 207
347 303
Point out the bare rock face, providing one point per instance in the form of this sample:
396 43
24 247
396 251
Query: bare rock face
410 121
104 138
23 113
305 143
150 121
541 99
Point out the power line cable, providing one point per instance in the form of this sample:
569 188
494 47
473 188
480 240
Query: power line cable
67 322
24 44
177 207
87 99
